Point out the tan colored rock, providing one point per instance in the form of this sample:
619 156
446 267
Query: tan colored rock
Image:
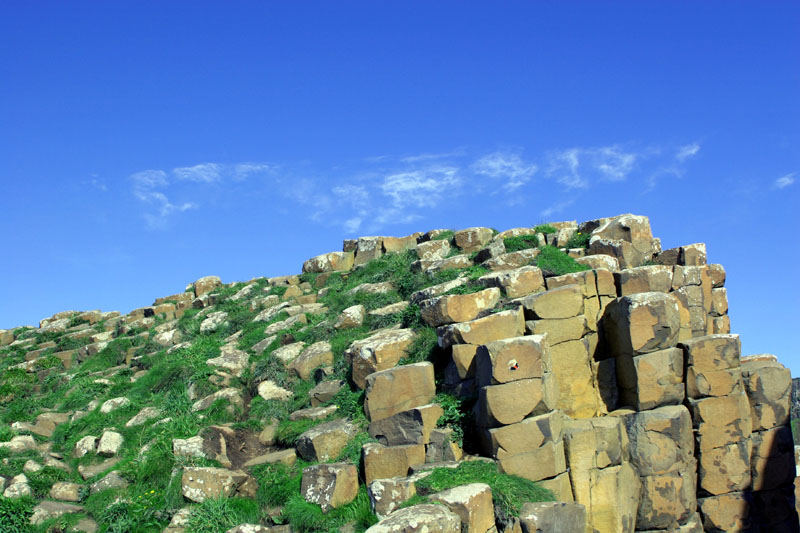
407 427
668 500
717 275
419 519
268 390
512 359
287 354
719 302
525 436
726 512
458 307
472 239
578 393
712 352
325 391
449 263
768 384
725 469
641 323
553 517
231 395
398 389
517 282
651 380
386 495
398 244
631 229
205 285
721 420
544 462
701 384
693 254
191 447
772 463
443 447
49 510
720 325
112 480
330 485
613 498
202 483
110 443
143 416
512 260
655 278
113 404
502 325
464 359
660 440
367 249
325 441
314 413
559 329
472 503
68 492
382 462
433 250
380 351
560 486
330 262
86 445
597 262
316 355
231 360
276 327
509 403
391 309
352 317
591 444
286 457
561 302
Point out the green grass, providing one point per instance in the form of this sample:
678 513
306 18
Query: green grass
277 482
545 228
509 492
15 514
456 414
446 235
218 515
521 242
308 517
290 430
554 262
579 240
425 347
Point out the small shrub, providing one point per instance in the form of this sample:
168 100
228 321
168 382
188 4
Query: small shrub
308 517
444 236
217 515
277 482
545 228
290 430
579 240
554 262
456 414
521 242
424 348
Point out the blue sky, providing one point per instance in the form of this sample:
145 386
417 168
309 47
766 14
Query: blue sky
146 144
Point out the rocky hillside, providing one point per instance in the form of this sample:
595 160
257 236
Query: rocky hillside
565 377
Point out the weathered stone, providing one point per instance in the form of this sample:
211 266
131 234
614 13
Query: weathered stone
112 480
712 352
721 420
509 403
313 413
231 360
517 282
330 262
655 278
502 325
424 518
86 445
641 323
442 446
19 444
436 290
433 250
64 491
578 393
611 497
725 469
561 302
660 440
591 444
48 510
316 355
147 413
325 391
512 260
630 239
493 249
380 351
285 457
553 517
213 321
168 338
113 404
277 327
772 463
472 503
701 384
386 495
352 317
560 486
330 485
325 441
205 285
768 385
191 447
232 395
668 500
605 262
719 302
110 444
458 307
391 309
464 359
287 354
407 427
268 390
398 389
472 239
543 462
367 249
382 462
512 359
201 483
726 512
525 436
559 329
717 275
449 263
720 325
90 471
693 254
651 380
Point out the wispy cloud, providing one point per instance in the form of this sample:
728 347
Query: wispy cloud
508 167
687 152
576 168
422 188
784 181
202 173
555 208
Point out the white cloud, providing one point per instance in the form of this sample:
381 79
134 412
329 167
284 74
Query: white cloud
202 173
612 163
355 195
420 188
508 166
784 181
244 170
556 208
688 151
351 225
564 167
148 179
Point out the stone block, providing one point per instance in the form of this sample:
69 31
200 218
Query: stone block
726 512
316 355
367 249
525 436
464 359
386 495
472 239
398 389
721 420
546 461
330 262
398 244
330 485
725 469
578 395
651 380
502 325
202 483
668 500
717 274
586 280
660 440
598 262
611 497
512 359
458 307
325 441
509 403
712 352
702 384
381 462
472 503
512 260
205 285
561 302
425 518
517 282
407 427
654 278
719 302
560 329
553 517
769 385
560 486
380 351
433 250
772 463
720 325
594 443
641 323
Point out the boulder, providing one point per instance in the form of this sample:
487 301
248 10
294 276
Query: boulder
472 239
64 491
651 380
85 445
433 250
201 483
769 385
286 457
509 403
512 260
668 500
517 282
213 321
525 436
268 390
513 359
472 503
231 395
112 480
458 307
721 420
352 317
386 495
463 356
325 441
660 440
407 427
382 462
367 249
113 404
316 355
553 517
653 278
425 518
205 285
398 389
560 302
231 360
325 391
559 329
712 352
330 262
502 325
330 485
725 468
380 351
578 392
772 463
726 512
49 510
146 414
110 444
